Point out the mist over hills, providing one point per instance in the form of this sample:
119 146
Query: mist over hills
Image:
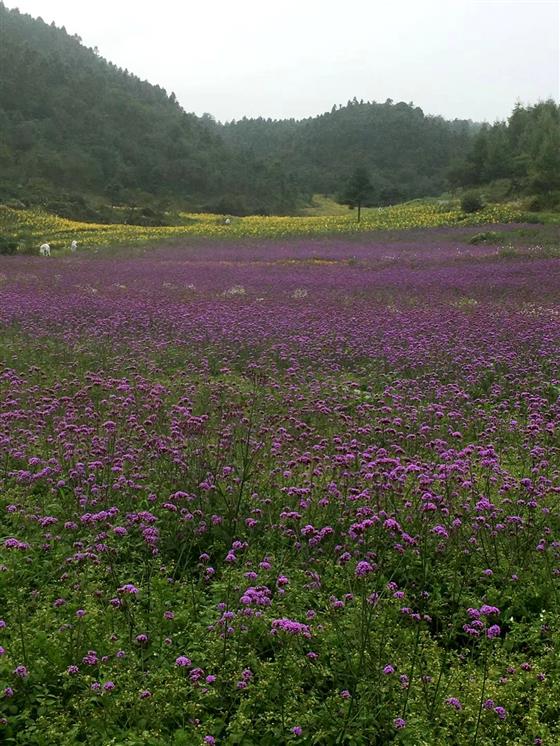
75 130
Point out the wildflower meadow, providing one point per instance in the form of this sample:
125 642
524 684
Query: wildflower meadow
281 491
31 227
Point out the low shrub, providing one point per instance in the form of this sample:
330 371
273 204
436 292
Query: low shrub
471 202
484 237
7 246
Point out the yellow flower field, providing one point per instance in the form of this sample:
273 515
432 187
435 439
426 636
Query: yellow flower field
32 227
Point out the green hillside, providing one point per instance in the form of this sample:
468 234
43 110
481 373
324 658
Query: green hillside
406 152
73 124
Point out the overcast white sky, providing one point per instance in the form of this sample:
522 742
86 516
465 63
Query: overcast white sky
282 58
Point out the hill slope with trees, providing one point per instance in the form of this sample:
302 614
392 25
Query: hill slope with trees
523 151
78 134
72 123
405 152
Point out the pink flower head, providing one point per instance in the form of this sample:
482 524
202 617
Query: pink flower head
128 588
487 610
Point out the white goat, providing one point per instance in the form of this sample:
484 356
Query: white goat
45 250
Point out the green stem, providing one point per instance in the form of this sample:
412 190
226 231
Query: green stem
485 674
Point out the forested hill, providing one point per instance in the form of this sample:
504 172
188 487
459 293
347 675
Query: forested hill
72 123
406 152
76 131
523 152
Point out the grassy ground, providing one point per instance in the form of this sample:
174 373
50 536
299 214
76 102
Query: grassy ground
540 240
322 205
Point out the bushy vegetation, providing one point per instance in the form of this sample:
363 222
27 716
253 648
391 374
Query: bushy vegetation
471 202
405 152
81 135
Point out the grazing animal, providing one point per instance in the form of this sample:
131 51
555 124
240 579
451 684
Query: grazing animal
74 247
45 250
227 221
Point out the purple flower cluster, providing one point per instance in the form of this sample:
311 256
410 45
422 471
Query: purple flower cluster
291 627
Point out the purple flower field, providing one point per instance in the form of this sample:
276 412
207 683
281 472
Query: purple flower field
293 492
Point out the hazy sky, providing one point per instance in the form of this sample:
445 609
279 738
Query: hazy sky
282 58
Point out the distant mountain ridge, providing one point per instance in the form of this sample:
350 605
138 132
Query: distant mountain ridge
74 126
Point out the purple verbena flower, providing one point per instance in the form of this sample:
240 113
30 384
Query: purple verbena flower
454 702
291 627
